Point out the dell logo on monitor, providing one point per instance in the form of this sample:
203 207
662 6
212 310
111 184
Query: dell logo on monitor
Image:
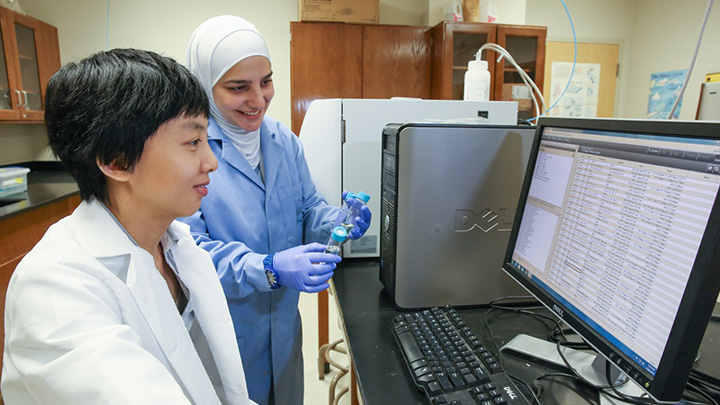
486 220
558 310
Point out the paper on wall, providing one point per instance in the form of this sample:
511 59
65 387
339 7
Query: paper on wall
664 89
581 97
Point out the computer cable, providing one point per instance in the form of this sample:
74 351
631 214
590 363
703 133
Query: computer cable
615 393
703 384
575 375
701 392
580 380
524 311
539 389
711 389
519 308
560 342
706 379
553 337
522 308
708 392
644 400
706 383
536 390
552 333
536 399
533 303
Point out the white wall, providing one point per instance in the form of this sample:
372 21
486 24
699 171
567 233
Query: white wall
607 21
664 39
654 36
164 26
403 12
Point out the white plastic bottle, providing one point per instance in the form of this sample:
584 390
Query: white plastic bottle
488 11
477 81
453 11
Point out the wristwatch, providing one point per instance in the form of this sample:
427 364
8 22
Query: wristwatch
270 272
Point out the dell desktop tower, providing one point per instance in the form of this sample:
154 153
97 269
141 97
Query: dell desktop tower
449 196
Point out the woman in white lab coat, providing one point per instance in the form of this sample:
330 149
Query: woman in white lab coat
116 303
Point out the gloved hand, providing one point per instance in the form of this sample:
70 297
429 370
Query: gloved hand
305 268
361 223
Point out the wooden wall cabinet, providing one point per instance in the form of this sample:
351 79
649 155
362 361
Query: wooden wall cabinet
455 44
29 56
339 60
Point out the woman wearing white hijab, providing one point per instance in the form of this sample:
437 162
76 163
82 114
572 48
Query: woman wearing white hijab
261 208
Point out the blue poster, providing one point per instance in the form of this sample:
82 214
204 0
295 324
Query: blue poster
664 89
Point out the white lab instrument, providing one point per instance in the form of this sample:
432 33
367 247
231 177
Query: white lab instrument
342 142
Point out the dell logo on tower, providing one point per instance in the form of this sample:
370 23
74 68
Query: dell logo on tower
486 220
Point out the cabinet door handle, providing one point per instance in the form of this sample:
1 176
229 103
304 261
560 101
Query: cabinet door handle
26 105
20 103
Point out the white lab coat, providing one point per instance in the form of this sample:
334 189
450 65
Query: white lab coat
89 320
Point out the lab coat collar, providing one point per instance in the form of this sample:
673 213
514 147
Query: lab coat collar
232 155
91 216
269 147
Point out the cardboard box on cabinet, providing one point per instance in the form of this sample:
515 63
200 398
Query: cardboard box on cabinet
351 11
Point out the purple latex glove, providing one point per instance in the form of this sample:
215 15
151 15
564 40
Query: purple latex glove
305 268
361 223
362 220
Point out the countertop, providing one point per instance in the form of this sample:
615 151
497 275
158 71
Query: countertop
47 182
367 313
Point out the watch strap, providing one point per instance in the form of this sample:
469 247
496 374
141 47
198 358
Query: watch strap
270 272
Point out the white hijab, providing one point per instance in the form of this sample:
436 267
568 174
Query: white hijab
215 47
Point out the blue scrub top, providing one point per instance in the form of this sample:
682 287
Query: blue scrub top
241 221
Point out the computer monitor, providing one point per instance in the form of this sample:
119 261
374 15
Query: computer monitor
617 233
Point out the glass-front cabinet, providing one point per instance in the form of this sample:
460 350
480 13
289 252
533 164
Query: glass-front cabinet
527 47
455 44
29 55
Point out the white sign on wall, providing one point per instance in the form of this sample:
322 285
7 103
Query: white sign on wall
581 97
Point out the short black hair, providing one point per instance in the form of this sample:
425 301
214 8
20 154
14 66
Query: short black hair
105 107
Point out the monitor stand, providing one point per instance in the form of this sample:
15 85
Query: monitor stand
590 366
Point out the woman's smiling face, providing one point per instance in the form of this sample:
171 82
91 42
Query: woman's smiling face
244 92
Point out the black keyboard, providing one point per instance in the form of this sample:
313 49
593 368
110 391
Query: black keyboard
449 363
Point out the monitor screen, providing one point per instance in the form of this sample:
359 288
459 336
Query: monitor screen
617 233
